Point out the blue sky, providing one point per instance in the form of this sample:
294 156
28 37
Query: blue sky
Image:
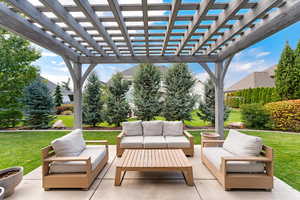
258 57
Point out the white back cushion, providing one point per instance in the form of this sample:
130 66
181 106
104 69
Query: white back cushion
71 144
133 128
242 144
173 128
152 128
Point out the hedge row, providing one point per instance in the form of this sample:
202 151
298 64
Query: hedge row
285 114
261 95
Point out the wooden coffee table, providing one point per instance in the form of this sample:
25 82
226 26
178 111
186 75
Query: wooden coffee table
154 160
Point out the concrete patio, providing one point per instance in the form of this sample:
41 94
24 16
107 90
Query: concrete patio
137 185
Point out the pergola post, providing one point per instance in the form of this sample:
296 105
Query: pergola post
218 80
219 99
75 70
77 96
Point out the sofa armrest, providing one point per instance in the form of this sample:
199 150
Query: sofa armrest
203 142
65 159
245 158
187 134
103 142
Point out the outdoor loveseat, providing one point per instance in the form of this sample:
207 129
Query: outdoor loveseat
241 162
155 135
70 163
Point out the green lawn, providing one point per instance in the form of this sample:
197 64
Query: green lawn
23 148
235 116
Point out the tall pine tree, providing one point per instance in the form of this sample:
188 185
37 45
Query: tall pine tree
58 99
92 103
207 106
296 81
179 102
285 74
39 106
117 107
146 92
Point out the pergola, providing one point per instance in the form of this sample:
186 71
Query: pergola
93 32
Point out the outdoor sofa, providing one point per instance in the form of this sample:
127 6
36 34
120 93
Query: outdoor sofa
240 161
154 135
69 163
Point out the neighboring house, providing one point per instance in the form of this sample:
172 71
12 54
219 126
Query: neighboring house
67 95
256 79
128 74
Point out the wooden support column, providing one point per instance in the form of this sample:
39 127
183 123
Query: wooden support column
218 79
75 70
219 99
77 96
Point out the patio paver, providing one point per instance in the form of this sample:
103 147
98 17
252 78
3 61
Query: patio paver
150 186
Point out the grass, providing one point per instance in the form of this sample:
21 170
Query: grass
235 116
23 148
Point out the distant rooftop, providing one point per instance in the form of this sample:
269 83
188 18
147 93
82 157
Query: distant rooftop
254 80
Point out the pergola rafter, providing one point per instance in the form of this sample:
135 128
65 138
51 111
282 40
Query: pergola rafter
82 34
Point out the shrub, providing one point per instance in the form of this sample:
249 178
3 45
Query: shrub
64 107
255 116
10 118
67 112
285 114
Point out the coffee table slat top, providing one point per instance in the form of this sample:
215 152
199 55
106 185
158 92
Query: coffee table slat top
153 158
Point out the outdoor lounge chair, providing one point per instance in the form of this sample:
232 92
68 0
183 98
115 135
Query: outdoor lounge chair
69 163
242 162
155 135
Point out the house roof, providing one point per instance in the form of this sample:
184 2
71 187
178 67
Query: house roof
52 87
254 80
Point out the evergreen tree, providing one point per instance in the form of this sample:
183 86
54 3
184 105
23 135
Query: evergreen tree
287 76
16 72
58 99
117 107
92 104
207 107
179 102
146 92
39 106
296 81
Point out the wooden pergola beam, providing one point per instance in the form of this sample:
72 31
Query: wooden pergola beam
93 18
205 5
171 22
61 12
147 59
145 21
115 8
17 24
233 7
40 18
258 12
286 15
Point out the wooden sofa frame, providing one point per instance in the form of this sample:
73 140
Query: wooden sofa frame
187 151
70 180
242 180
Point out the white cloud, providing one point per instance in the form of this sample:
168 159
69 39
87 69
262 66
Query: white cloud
48 54
262 54
202 76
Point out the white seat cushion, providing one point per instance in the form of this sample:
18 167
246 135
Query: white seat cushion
242 144
177 142
154 142
174 128
71 144
132 142
214 155
96 152
152 128
133 128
